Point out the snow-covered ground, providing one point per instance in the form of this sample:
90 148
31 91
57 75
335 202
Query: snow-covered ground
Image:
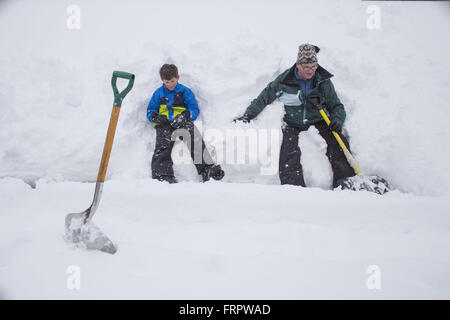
245 237
239 241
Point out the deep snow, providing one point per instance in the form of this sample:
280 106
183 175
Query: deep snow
247 237
242 241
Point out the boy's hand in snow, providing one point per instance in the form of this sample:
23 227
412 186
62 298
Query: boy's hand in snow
181 119
159 119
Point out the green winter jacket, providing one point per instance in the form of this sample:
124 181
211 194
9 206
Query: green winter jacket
299 113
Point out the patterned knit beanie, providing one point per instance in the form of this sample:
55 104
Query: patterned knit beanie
307 53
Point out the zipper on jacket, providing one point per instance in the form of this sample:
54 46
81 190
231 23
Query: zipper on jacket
304 114
303 101
304 106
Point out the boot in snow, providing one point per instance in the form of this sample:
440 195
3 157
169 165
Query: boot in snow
169 179
213 171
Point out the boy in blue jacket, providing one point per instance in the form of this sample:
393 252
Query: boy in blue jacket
173 106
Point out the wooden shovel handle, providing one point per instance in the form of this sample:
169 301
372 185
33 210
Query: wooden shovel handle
118 97
108 143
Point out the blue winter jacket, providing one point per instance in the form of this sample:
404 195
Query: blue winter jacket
163 98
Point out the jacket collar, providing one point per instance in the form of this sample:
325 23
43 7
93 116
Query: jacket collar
176 89
320 75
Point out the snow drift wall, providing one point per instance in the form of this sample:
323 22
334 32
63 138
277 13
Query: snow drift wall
55 94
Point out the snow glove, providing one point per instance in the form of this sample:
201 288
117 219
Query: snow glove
180 120
335 126
246 118
159 119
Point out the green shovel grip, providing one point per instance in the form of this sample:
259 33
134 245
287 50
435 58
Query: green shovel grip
118 97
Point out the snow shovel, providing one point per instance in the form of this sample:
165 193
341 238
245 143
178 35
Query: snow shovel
79 228
371 183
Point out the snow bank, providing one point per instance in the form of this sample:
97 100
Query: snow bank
55 94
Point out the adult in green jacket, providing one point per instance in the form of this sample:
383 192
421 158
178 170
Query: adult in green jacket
293 87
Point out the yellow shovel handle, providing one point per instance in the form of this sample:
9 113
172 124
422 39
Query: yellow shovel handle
347 153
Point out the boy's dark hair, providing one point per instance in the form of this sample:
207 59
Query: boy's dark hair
168 71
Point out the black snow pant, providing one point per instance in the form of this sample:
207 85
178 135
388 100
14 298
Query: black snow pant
162 164
290 168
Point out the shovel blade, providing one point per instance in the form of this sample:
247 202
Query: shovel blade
368 183
86 234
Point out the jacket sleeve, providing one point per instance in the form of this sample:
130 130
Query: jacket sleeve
153 105
266 97
191 103
334 105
